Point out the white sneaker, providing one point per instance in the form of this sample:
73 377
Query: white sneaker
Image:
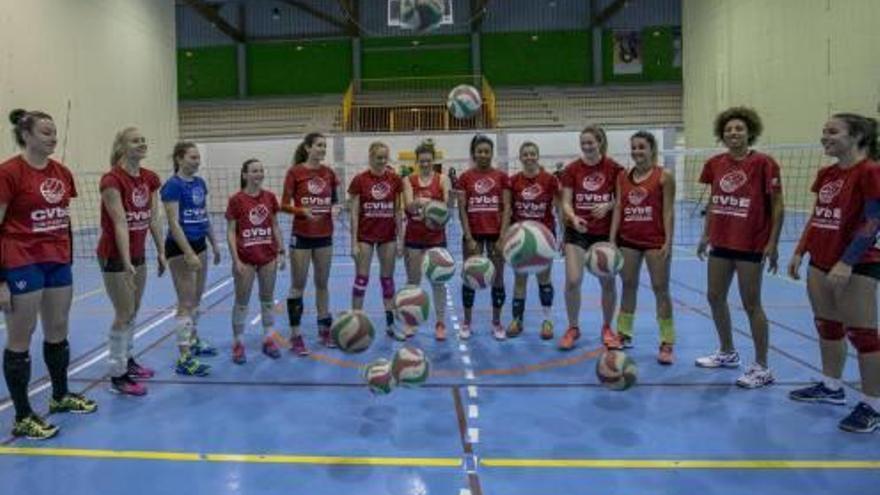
464 332
498 332
719 359
756 376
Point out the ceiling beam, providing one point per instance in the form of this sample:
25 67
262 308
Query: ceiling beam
211 14
297 4
608 12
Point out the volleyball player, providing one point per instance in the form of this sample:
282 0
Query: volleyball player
374 195
129 208
742 227
189 232
36 279
642 226
310 194
257 250
483 204
841 239
534 194
587 202
418 190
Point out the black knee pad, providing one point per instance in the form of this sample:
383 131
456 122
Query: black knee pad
545 292
498 297
294 310
17 365
467 296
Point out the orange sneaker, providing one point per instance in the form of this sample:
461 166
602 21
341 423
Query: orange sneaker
665 355
566 343
610 339
440 331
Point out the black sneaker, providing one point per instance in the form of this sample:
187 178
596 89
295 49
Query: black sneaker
818 392
862 419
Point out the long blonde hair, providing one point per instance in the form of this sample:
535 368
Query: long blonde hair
118 149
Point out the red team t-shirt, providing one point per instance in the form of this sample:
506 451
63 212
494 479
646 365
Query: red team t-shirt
591 185
37 224
311 188
136 193
416 231
641 220
482 199
531 198
740 200
254 234
376 196
841 195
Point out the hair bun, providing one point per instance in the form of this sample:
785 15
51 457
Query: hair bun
16 115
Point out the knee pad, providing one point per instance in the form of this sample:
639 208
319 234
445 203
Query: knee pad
183 327
498 297
865 340
830 330
267 315
545 292
360 285
387 287
294 310
239 315
518 308
117 352
467 296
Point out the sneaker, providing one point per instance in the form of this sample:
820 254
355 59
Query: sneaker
464 332
818 392
498 331
270 348
440 331
201 347
756 376
610 339
719 359
862 419
567 342
665 355
547 330
238 354
34 427
125 385
72 403
298 346
626 341
190 366
138 372
514 329
393 332
325 338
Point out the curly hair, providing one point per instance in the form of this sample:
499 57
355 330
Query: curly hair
748 115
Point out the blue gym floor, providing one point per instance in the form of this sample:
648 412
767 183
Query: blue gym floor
516 417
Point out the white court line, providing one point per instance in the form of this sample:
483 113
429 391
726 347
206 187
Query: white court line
103 354
474 435
472 391
466 360
469 374
473 411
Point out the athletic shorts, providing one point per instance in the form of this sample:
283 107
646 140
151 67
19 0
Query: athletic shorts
38 276
637 247
584 241
422 246
299 242
172 249
114 265
732 254
868 270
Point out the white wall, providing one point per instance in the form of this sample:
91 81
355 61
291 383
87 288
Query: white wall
113 60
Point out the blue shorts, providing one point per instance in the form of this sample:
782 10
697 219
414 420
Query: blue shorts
38 276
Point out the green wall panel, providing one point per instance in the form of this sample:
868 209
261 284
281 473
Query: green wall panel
551 57
207 72
306 67
417 56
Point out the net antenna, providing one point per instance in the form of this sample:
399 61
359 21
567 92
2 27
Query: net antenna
66 133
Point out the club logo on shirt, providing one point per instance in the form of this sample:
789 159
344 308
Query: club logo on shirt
52 190
21 284
140 196
484 185
830 191
258 214
532 192
198 196
637 195
316 185
732 181
380 190
594 181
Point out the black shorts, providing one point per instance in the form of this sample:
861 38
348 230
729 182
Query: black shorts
583 240
732 254
172 249
868 270
484 242
423 246
299 242
114 265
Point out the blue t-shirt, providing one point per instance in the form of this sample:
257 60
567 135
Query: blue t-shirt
191 196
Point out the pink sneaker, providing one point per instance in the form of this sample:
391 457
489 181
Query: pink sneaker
325 338
270 348
139 372
124 385
238 356
298 346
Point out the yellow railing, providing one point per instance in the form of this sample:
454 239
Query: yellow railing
347 103
488 95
